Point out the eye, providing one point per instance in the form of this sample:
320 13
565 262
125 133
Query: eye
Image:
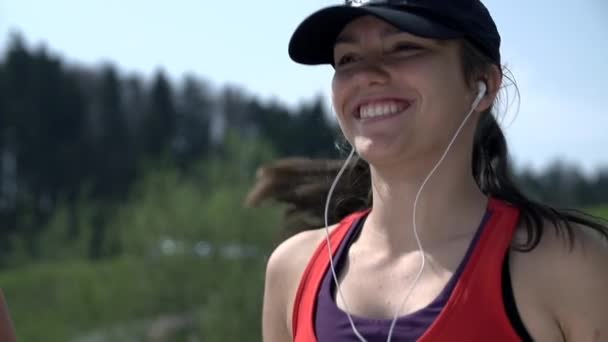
346 59
405 48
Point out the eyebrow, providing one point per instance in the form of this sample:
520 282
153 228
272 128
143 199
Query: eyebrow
349 39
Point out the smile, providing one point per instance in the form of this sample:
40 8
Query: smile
381 108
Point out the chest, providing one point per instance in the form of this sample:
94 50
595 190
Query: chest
377 288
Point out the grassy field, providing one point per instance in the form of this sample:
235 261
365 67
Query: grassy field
63 301
601 211
123 299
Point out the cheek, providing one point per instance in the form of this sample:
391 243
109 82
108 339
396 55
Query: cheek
338 95
445 91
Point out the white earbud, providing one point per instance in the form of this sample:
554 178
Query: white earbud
481 92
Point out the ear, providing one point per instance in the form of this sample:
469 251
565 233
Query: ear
493 80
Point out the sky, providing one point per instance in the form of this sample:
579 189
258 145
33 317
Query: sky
557 51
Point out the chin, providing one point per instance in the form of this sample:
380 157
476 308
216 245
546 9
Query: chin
377 154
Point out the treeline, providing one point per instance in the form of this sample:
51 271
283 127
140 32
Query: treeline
565 185
70 133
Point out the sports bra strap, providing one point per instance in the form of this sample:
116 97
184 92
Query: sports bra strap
303 307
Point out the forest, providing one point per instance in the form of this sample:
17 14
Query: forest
122 213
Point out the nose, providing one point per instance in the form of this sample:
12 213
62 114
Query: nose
371 73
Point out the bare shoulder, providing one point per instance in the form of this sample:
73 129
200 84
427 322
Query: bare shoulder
284 270
288 261
563 285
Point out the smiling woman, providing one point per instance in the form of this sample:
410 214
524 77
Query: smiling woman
444 247
406 74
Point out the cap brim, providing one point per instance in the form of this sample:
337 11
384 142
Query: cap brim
313 41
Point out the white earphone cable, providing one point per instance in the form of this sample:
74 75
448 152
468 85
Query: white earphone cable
482 90
331 261
420 248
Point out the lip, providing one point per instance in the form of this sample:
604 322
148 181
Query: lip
371 100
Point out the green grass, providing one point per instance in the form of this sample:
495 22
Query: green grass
57 302
601 211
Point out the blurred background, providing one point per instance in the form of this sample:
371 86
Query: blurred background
130 133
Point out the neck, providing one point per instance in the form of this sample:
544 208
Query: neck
449 206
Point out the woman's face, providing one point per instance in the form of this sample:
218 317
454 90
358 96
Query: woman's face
397 96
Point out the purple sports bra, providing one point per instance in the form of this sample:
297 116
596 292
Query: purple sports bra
332 324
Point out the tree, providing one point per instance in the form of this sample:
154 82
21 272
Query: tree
42 133
115 151
159 124
315 136
194 107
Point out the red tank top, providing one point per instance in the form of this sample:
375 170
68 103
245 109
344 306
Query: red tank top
475 309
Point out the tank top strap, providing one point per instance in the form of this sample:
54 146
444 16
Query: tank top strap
475 311
310 283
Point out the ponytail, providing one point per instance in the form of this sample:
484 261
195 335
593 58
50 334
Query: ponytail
492 173
302 184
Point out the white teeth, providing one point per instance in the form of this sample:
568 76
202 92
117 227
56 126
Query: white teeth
379 109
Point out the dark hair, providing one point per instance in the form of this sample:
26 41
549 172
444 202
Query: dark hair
492 171
303 183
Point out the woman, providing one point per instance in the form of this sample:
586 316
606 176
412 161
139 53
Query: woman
449 249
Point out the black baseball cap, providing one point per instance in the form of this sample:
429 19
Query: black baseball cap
313 40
